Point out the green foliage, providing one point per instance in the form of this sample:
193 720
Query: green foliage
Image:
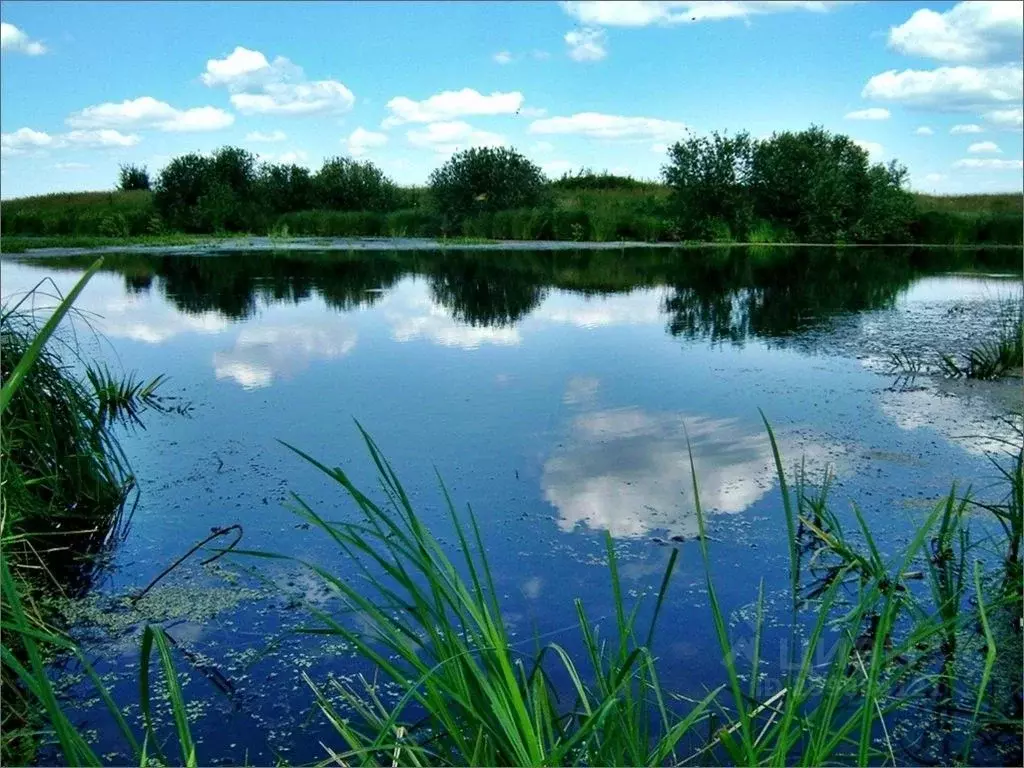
78 214
814 184
344 184
710 179
585 178
485 180
132 177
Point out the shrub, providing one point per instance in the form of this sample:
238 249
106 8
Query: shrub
285 188
710 181
132 177
343 184
199 193
587 179
486 179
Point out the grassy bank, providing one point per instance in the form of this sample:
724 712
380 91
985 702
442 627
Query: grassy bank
601 215
65 485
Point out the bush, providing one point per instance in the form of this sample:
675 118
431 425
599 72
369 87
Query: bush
484 180
587 179
179 187
132 177
343 184
711 182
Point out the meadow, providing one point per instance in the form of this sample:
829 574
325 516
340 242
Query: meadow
810 186
98 219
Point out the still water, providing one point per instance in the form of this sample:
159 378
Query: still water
556 393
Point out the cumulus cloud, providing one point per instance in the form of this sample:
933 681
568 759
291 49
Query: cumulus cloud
278 87
967 32
872 113
295 99
448 137
24 139
449 105
147 112
984 147
361 141
1006 118
949 89
503 57
601 126
587 44
924 130
989 164
615 13
966 128
103 137
15 40
290 157
272 136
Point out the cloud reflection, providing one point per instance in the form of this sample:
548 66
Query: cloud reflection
262 353
627 471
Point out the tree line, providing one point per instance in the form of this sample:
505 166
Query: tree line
809 185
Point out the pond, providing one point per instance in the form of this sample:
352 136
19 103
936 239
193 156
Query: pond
557 393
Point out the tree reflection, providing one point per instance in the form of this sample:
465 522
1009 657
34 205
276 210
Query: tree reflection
720 294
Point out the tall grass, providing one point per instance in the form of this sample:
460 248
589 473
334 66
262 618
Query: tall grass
64 484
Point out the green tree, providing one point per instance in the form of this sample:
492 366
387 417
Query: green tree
132 177
486 179
813 182
710 181
344 184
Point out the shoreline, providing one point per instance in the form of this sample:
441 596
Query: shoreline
300 244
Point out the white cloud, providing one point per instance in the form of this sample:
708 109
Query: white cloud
449 137
872 113
601 126
243 69
949 89
503 57
1010 118
414 316
962 128
15 40
361 141
587 44
259 86
449 105
266 137
969 31
103 137
540 55
989 164
71 166
984 147
295 99
924 130
615 13
873 148
147 112
24 139
542 147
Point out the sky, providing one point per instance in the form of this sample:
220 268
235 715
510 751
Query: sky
87 86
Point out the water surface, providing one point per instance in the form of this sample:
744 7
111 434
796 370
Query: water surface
558 393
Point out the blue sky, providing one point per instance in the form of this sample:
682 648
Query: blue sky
89 85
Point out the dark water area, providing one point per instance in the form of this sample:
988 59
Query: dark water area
557 393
